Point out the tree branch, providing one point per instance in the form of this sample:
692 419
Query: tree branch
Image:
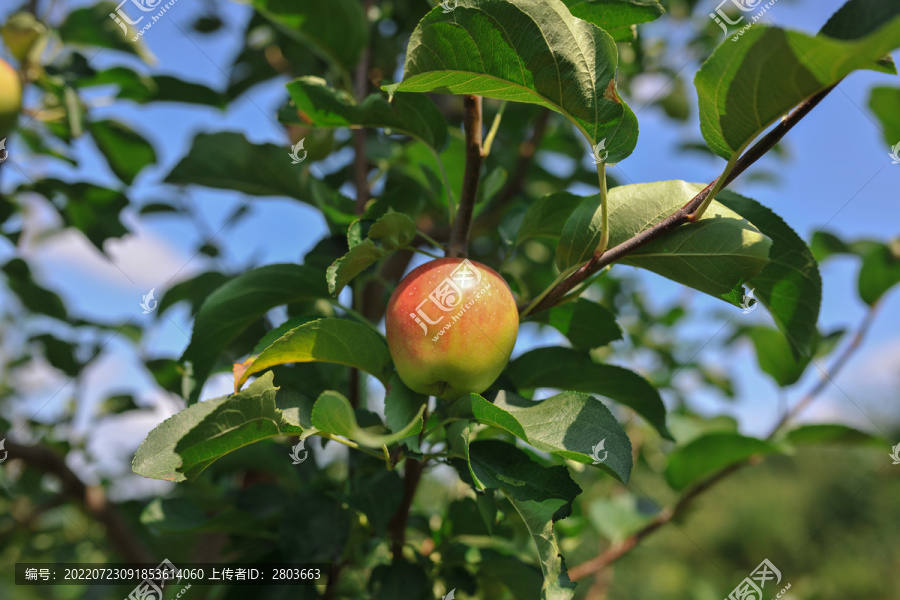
459 235
686 214
360 164
603 560
397 526
92 499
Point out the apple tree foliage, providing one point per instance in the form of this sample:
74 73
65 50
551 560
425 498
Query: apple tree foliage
553 77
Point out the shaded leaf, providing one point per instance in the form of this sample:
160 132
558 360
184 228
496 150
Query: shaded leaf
832 434
880 271
710 453
775 356
567 369
547 216
586 324
789 285
230 309
884 102
126 151
541 495
337 29
413 114
570 425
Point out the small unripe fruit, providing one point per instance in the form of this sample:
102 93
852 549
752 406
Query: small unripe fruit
10 98
451 327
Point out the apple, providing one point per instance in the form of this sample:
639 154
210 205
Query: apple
451 327
10 98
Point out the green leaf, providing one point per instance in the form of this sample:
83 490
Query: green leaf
413 114
183 445
790 285
526 51
586 324
378 496
746 86
401 405
92 26
858 18
33 297
233 307
880 271
715 255
616 17
541 495
775 356
226 160
332 413
152 88
547 216
195 290
92 209
569 425
357 260
394 230
709 454
126 151
324 340
337 30
884 102
832 434
567 369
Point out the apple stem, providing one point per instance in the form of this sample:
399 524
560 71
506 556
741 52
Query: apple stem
459 234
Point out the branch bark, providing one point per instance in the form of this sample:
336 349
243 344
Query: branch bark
92 499
459 235
686 214
360 164
397 526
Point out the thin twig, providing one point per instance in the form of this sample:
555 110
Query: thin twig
491 216
603 560
459 235
687 212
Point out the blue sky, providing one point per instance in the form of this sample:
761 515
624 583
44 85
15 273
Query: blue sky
838 177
